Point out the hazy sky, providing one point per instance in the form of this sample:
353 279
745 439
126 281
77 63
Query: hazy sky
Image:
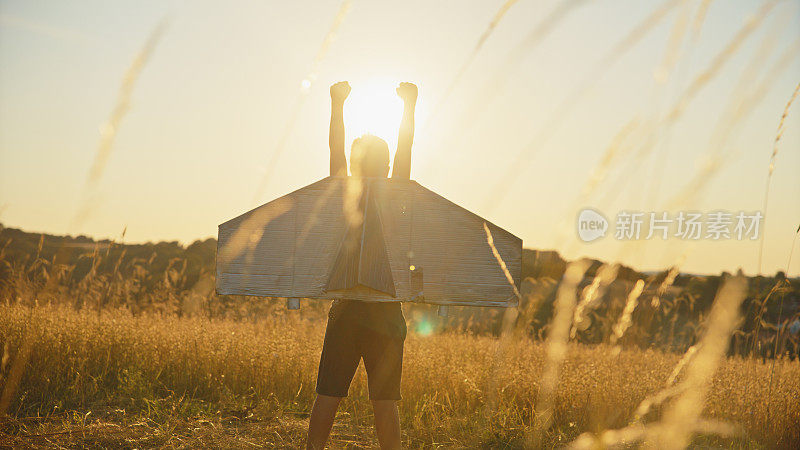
211 104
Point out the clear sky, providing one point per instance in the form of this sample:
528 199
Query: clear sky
210 105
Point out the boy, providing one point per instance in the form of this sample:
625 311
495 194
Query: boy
374 332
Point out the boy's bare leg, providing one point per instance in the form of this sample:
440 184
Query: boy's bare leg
321 421
387 423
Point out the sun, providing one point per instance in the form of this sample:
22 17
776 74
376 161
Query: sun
373 107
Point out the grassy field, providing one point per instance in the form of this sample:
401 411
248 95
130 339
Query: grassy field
114 379
111 345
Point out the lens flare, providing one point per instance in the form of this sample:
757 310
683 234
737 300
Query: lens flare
424 328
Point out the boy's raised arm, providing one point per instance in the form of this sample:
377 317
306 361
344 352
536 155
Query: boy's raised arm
402 158
339 93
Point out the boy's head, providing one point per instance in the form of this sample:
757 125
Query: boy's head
369 157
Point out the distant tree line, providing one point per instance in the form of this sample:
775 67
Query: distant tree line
169 277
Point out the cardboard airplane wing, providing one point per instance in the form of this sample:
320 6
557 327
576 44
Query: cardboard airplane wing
370 239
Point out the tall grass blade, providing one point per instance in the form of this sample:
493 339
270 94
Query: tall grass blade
305 86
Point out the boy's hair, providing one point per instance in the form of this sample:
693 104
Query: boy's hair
369 157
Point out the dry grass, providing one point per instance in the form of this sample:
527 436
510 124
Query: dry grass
778 136
86 374
115 379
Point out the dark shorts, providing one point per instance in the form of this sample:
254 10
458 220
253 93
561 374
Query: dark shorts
356 332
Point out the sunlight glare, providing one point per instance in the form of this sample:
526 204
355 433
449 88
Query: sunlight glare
373 107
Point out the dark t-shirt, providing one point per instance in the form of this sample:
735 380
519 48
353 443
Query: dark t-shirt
382 317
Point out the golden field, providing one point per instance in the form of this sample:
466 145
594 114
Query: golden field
111 378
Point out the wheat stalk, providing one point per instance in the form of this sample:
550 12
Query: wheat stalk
625 319
305 86
555 120
500 262
717 63
557 338
468 62
702 11
638 432
685 411
108 132
672 52
773 156
739 109
500 79
788 262
667 282
681 364
249 232
606 274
